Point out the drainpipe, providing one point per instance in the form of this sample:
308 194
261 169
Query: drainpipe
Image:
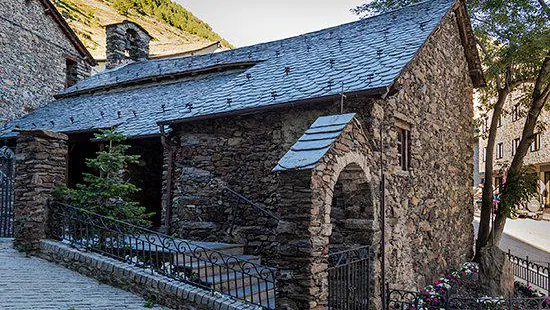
383 210
167 198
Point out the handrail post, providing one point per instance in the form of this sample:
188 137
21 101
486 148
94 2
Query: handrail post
527 270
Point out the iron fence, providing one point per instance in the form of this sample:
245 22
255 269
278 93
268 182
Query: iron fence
534 274
349 278
411 300
7 172
178 259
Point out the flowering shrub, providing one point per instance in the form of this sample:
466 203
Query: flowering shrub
529 291
434 296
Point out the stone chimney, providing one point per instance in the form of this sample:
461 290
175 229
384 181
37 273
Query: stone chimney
126 42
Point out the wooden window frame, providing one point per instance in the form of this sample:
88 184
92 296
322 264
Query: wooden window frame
500 151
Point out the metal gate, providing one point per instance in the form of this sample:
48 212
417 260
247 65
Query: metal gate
7 171
350 280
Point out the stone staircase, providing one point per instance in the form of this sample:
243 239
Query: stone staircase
224 268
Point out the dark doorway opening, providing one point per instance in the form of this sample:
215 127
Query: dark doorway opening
146 174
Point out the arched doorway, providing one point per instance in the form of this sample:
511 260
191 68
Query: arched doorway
350 259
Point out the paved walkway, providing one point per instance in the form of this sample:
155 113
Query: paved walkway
33 283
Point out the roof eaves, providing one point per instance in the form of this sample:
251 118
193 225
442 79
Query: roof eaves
68 31
373 92
159 78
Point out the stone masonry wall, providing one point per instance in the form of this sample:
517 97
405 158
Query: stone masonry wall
40 166
32 66
428 209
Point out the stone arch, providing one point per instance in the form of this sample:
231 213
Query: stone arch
333 149
344 197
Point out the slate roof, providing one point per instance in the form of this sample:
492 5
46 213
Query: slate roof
315 142
363 55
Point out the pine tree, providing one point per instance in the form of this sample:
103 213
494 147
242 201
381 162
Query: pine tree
107 192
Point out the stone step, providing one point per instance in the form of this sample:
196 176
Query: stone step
204 268
236 280
264 294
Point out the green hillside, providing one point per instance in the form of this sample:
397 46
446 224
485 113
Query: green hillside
173 28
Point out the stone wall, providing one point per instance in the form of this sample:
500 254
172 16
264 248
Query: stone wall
238 153
40 166
33 62
429 211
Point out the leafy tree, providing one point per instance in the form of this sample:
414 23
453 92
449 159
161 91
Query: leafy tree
514 39
107 192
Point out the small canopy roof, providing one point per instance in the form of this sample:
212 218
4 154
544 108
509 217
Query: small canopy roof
315 142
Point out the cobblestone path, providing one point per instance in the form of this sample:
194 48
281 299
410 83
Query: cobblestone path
33 283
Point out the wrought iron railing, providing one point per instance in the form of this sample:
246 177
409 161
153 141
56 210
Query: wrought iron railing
534 274
164 255
411 300
7 172
350 280
247 201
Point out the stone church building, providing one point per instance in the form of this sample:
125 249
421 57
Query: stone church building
360 134
40 56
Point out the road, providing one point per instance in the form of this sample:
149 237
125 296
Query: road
525 237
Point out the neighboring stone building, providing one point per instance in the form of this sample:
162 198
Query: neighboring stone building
507 139
40 56
306 128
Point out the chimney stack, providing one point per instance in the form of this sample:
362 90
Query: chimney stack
126 42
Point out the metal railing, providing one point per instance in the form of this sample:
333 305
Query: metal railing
7 173
350 280
411 300
164 255
534 274
256 206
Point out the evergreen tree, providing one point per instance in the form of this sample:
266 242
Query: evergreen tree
107 191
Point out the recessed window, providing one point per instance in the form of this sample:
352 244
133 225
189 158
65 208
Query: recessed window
535 146
515 113
515 144
404 148
71 72
500 150
499 121
484 154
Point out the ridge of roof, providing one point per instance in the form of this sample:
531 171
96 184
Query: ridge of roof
69 32
362 58
154 68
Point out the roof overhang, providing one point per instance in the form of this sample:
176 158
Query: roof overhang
374 93
52 11
469 43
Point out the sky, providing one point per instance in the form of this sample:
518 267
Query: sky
247 22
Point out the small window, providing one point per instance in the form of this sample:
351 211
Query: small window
404 148
500 150
515 144
515 113
499 121
535 146
484 154
71 72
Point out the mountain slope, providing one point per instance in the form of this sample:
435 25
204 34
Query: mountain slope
173 28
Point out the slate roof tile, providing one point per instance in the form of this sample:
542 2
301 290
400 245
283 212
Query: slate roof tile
363 55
